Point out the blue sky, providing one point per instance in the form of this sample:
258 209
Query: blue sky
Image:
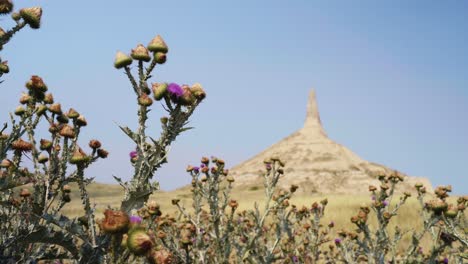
391 78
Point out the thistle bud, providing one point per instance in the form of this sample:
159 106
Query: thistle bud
205 160
159 90
418 185
140 53
41 109
293 188
42 159
81 121
21 145
66 188
94 144
25 98
230 179
79 157
19 110
161 256
145 100
45 144
102 153
451 212
233 204
15 16
164 120
72 113
6 163
6 6
25 193
160 57
187 97
114 222
122 60
62 119
4 67
139 242
36 84
197 91
32 16
67 132
48 99
157 44
153 208
55 108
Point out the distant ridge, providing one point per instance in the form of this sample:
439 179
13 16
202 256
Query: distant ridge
318 164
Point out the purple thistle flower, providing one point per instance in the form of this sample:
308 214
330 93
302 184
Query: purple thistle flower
202 166
446 260
385 203
175 90
133 154
134 219
196 169
337 241
373 197
268 166
295 259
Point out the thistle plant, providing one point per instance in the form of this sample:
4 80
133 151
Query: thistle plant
446 224
26 16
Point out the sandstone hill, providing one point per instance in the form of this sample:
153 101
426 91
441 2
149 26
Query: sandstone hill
318 164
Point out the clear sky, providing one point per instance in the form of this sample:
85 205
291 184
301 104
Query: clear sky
391 78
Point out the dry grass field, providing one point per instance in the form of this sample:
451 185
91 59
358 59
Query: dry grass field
339 209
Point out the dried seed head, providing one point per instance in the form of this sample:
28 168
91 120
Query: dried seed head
67 132
19 110
157 44
62 119
25 98
205 160
32 16
21 145
72 113
161 256
4 65
122 60
94 144
102 153
45 144
42 158
145 100
81 121
140 53
230 179
55 108
41 109
114 222
6 163
36 84
79 157
198 92
48 98
6 6
233 204
187 97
